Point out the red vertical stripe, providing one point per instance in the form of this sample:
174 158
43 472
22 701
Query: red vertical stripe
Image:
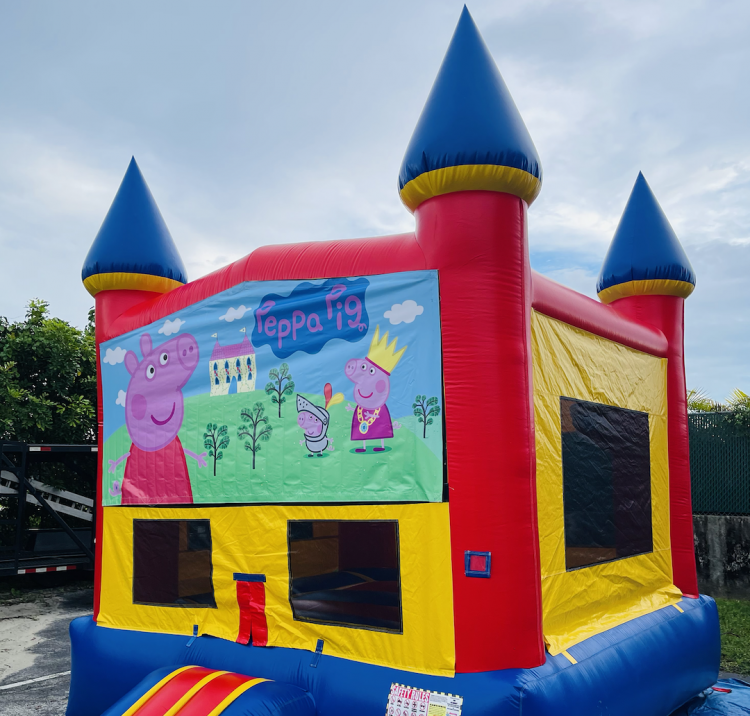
109 305
251 598
477 240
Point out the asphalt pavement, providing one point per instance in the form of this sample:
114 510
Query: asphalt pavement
34 643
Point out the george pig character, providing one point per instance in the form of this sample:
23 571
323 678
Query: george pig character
372 386
315 421
156 470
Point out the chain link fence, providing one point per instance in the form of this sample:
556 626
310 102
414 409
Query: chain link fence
719 465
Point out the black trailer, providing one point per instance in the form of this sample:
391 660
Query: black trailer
47 507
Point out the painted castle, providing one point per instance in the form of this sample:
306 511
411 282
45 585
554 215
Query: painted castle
231 369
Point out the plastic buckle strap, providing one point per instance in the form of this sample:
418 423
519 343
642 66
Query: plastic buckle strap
317 654
195 634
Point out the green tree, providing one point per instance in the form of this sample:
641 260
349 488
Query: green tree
47 379
738 403
425 410
261 432
277 388
699 402
216 440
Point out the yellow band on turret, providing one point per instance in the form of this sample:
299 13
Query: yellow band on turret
650 287
132 281
470 177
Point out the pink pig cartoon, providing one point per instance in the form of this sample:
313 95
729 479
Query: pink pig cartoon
156 470
372 386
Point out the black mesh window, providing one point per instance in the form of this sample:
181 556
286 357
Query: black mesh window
606 483
172 563
345 573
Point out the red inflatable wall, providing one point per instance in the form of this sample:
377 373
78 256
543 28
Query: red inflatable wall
667 314
109 305
478 242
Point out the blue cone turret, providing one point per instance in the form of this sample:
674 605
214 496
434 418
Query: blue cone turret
645 256
470 136
133 249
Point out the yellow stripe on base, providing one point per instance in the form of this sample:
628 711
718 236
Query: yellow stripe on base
470 177
679 609
235 695
192 692
132 281
154 689
569 657
649 287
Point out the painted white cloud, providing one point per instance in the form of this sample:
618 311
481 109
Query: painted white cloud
234 314
171 327
404 312
113 356
120 398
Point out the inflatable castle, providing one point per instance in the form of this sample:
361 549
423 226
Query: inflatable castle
403 475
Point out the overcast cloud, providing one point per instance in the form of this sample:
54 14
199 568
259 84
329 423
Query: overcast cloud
265 123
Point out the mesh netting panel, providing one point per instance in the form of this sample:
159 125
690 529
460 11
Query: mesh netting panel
719 465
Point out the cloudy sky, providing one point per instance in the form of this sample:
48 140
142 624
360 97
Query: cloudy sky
260 123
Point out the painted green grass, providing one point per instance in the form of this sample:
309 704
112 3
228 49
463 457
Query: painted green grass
410 470
734 619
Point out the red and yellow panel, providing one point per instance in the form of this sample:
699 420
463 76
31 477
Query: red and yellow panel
192 691
253 540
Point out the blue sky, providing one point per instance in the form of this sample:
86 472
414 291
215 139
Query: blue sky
266 123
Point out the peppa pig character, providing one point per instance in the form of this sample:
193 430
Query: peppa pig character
372 386
156 470
315 420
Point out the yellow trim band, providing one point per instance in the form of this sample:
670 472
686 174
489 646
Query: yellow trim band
470 177
568 657
649 287
156 687
177 706
679 609
235 695
132 281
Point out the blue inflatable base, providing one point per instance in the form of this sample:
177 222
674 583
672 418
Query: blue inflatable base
731 699
650 666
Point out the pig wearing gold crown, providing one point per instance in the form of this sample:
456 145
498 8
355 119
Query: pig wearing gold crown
372 386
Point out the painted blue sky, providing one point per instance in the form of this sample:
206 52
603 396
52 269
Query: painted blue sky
409 299
267 123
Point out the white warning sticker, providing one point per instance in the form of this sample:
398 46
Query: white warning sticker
408 701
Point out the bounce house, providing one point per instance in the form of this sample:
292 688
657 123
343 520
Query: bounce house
403 475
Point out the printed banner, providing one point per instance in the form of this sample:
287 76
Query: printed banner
280 391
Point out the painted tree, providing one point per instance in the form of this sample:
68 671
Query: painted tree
425 410
216 440
280 386
261 430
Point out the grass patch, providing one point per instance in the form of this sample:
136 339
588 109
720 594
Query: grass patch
734 619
